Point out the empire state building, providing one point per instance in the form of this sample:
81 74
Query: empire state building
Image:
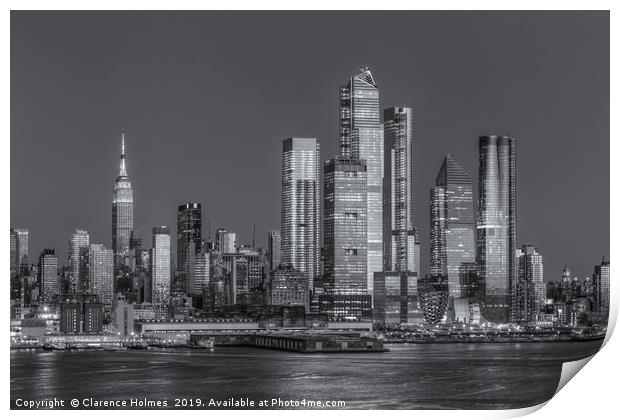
122 214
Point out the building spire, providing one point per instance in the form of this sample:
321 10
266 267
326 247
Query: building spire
123 170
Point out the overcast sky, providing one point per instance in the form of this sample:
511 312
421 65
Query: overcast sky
207 97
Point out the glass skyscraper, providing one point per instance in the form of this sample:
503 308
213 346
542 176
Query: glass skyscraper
189 242
122 214
497 226
360 138
77 242
452 228
401 245
345 219
300 231
160 266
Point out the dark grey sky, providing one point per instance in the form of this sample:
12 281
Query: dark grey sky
207 97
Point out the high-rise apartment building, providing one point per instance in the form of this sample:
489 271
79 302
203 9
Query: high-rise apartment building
529 289
497 226
400 242
300 232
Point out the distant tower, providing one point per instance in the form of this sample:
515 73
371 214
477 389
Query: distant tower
189 241
19 249
361 138
77 242
101 274
530 289
453 228
122 214
300 230
497 226
48 275
274 245
601 279
160 266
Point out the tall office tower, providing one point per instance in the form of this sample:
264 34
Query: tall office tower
274 246
530 291
400 245
189 241
361 138
497 226
101 274
300 230
122 214
19 249
78 241
452 228
225 242
160 266
48 275
345 219
601 278
243 273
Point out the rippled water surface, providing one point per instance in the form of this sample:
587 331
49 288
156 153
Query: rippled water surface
428 376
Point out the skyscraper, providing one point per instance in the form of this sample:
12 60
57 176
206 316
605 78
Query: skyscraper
530 291
452 227
300 231
344 236
601 279
48 275
360 138
497 226
401 246
19 248
160 266
78 241
274 246
101 274
189 241
122 214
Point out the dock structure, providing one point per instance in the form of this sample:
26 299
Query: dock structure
300 343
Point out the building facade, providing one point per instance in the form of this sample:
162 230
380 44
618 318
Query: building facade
189 242
160 266
300 232
289 287
79 241
530 289
101 274
601 278
361 138
48 275
497 226
274 248
18 249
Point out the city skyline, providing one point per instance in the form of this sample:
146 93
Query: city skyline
529 232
